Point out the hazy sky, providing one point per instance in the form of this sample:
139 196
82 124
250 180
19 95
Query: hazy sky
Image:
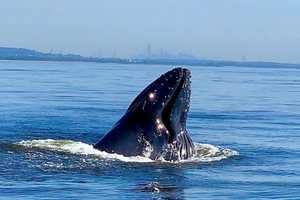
215 29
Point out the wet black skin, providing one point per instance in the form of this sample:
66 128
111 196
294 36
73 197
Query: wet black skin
155 122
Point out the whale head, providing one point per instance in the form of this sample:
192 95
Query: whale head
166 101
157 118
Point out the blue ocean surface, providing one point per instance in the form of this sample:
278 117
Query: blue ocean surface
245 122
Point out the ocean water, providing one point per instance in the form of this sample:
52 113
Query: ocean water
245 123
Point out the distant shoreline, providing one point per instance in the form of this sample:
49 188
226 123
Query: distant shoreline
7 53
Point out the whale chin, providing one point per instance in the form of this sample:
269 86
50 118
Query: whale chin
155 122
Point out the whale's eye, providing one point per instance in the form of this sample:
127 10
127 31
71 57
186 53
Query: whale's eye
151 96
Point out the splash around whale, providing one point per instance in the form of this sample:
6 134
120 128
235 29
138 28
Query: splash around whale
204 153
154 125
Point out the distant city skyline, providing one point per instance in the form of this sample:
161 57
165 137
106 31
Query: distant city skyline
210 29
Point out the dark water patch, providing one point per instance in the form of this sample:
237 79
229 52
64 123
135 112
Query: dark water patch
237 115
16 70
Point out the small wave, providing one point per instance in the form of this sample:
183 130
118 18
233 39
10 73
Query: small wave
210 153
204 152
80 148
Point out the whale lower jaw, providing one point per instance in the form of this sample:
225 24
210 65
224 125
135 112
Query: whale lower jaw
181 149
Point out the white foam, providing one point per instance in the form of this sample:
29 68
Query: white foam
204 152
80 148
210 153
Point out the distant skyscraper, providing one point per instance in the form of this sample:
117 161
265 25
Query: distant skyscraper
161 53
114 54
99 53
149 53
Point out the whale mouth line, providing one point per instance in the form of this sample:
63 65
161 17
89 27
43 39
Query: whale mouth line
168 108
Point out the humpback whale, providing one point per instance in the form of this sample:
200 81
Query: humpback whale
154 124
